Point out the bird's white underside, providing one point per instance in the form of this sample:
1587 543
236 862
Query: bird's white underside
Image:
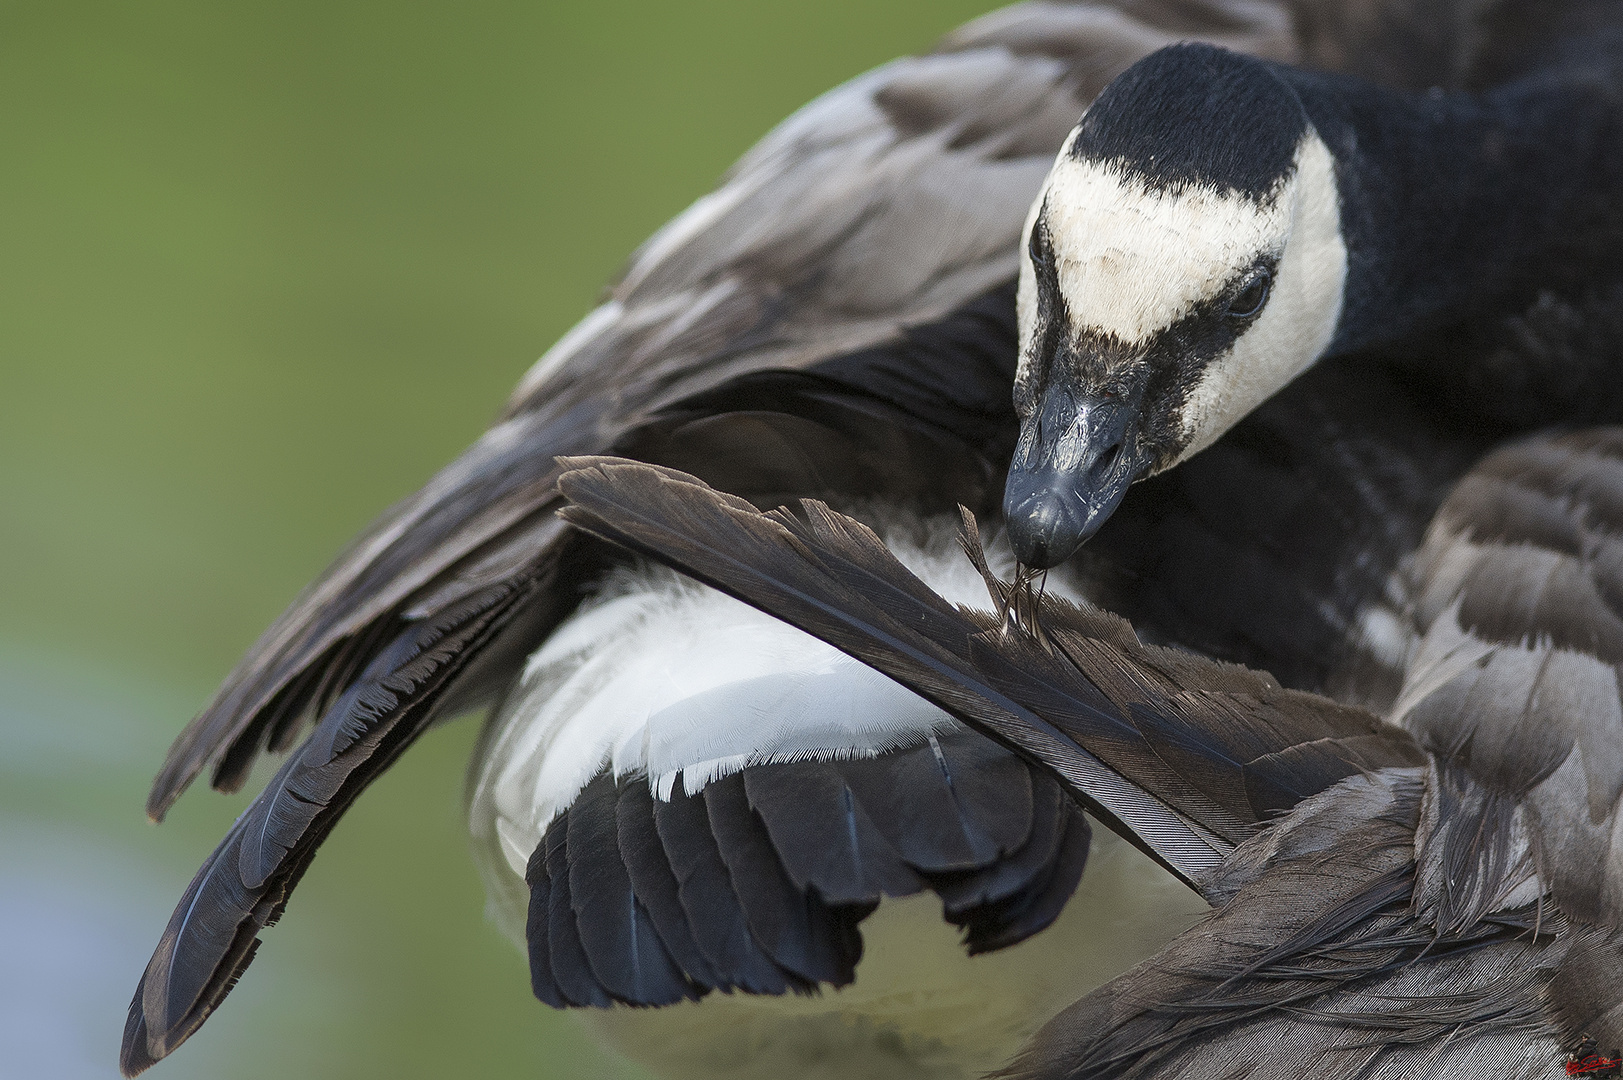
659 675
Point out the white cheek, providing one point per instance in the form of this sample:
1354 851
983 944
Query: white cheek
1299 321
1132 261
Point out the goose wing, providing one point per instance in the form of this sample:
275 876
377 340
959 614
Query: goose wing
1316 964
839 312
862 256
1454 921
837 317
1187 757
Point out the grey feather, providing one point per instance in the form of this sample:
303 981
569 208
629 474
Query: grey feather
1516 678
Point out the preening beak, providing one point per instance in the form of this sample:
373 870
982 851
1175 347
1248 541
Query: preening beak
1076 458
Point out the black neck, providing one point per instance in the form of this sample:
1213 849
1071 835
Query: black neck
1458 206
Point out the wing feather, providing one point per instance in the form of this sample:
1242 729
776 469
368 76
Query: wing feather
244 885
845 296
832 577
1324 951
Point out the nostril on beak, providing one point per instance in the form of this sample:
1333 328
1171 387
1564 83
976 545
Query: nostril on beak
1106 461
1071 469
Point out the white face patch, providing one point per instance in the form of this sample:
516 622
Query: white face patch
1300 318
1130 262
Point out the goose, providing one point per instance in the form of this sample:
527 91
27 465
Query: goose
1433 893
839 319
1217 223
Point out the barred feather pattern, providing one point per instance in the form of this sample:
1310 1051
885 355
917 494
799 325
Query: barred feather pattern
1515 690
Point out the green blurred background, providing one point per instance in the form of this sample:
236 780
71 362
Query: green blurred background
263 268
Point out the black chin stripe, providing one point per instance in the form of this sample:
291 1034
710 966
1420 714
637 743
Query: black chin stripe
1053 315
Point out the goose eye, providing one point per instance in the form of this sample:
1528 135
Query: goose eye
1249 300
1039 249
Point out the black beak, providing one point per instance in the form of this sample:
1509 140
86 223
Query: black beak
1075 460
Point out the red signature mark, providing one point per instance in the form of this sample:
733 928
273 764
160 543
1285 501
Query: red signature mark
1592 1064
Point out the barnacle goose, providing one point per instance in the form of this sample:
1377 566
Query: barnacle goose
839 319
1217 223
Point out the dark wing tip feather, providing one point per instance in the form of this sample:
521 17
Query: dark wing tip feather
240 721
828 840
571 968
244 885
760 880
179 769
542 983
812 941
1034 908
616 930
711 905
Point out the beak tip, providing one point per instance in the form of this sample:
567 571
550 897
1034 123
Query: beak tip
1046 527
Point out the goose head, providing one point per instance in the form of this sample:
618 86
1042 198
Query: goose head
1182 262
